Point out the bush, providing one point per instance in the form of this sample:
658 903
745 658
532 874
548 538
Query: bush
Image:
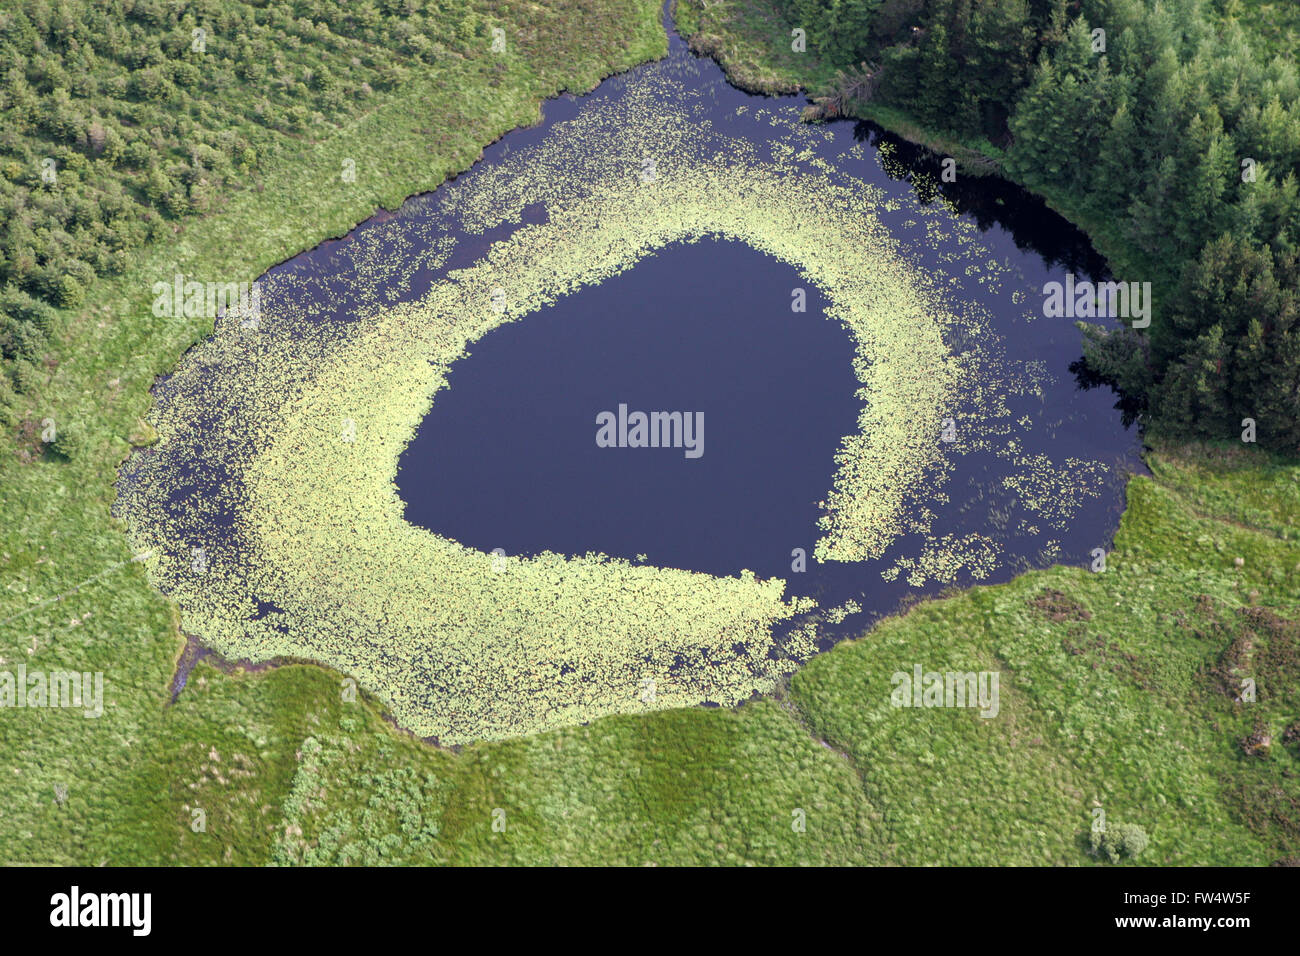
9 416
27 377
1120 840
20 339
69 442
27 309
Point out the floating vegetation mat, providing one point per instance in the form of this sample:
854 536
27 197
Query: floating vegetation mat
269 502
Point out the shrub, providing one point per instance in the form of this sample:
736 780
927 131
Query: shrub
26 376
1120 840
69 442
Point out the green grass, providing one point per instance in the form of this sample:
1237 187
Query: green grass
65 563
751 42
690 786
1107 694
1117 688
1116 692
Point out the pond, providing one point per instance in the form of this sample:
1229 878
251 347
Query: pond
421 463
508 458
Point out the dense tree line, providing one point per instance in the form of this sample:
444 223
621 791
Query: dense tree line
119 116
1157 122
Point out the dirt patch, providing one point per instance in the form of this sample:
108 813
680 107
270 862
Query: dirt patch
1279 659
28 445
1059 606
1265 648
1270 809
1103 653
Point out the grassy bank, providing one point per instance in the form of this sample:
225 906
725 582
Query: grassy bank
1131 676
1117 692
89 790
750 40
1118 688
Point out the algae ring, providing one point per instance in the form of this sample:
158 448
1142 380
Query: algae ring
307 552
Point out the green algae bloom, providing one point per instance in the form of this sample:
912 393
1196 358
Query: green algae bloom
270 505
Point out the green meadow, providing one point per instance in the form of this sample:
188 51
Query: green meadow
1120 688
1119 692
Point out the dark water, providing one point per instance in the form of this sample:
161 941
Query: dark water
507 457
